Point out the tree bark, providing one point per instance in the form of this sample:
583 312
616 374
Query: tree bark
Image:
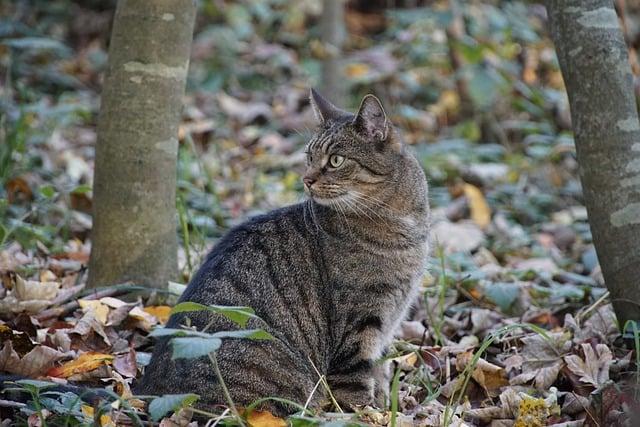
134 230
594 62
333 34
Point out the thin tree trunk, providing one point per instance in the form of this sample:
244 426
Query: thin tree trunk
333 37
134 230
594 62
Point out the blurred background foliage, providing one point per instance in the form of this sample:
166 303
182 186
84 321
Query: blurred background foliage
474 85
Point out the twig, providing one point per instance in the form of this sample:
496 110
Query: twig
326 386
306 404
72 305
11 404
592 307
225 390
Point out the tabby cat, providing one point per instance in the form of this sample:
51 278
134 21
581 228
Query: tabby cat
331 278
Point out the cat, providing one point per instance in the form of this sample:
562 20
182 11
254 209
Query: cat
331 278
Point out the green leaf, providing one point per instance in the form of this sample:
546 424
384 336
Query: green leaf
34 385
252 334
502 294
48 191
165 332
238 315
81 189
192 347
160 406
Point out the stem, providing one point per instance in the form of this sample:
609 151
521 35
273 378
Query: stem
225 390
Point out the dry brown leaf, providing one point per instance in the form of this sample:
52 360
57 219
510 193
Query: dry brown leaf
264 419
33 364
489 376
594 368
87 324
126 364
26 290
480 210
112 302
84 363
160 312
542 358
145 321
29 296
100 310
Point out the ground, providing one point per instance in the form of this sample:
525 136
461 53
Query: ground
515 328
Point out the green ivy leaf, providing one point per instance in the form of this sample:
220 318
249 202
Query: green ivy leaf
160 406
48 191
252 334
192 347
238 315
502 294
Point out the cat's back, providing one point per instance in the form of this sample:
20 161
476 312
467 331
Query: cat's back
272 264
249 254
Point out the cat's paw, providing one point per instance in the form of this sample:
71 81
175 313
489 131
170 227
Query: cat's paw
353 395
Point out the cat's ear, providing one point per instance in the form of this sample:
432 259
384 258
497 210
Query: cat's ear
323 109
371 119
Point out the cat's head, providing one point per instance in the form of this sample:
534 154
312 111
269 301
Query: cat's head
355 159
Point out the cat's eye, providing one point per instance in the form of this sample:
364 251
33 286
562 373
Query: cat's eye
336 160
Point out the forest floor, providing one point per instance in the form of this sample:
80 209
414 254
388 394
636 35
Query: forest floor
515 327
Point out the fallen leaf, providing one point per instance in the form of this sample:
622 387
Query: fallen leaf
160 312
145 321
84 363
594 368
29 296
100 310
463 236
33 364
264 419
356 70
542 358
126 364
88 412
480 210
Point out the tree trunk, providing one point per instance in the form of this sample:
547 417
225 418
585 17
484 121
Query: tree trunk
333 36
594 62
134 230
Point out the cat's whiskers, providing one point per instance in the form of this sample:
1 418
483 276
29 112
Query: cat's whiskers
373 199
312 213
363 208
337 203
362 202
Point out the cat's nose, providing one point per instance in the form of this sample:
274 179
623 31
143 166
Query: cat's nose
308 181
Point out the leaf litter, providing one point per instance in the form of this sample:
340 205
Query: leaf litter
515 328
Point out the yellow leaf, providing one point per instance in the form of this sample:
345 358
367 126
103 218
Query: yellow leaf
86 362
161 312
87 411
480 210
106 421
264 419
532 412
100 310
145 320
357 70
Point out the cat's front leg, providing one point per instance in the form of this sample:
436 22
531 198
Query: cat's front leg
353 385
382 377
353 373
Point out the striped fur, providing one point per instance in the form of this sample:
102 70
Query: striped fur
331 278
